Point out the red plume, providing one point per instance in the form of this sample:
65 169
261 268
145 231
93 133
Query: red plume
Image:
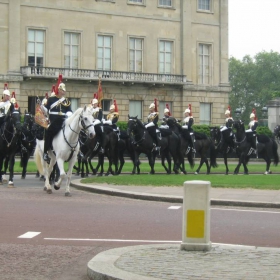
5 86
167 106
229 110
155 105
13 95
95 96
53 88
46 95
59 80
255 113
15 104
190 107
116 106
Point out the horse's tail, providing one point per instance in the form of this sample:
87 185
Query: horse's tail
190 159
37 159
275 152
213 154
21 160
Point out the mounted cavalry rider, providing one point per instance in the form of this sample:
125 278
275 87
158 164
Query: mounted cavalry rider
228 127
98 115
152 126
5 106
58 107
166 115
251 133
187 125
112 118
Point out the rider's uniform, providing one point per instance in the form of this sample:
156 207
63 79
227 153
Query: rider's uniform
4 108
98 115
112 119
152 127
58 109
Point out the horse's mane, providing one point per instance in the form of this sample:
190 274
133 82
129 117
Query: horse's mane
70 119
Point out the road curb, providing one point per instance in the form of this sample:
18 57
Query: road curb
165 198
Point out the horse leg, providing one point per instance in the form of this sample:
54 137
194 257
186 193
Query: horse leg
268 162
11 170
60 164
151 158
122 161
163 156
241 161
101 164
6 163
200 164
48 171
226 162
68 176
24 162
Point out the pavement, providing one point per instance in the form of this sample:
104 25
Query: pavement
168 261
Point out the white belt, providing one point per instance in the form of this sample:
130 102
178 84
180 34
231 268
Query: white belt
57 113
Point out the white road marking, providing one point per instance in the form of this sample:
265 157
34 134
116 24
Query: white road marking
113 240
29 234
174 207
244 210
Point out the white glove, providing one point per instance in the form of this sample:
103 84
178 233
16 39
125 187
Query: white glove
68 114
108 122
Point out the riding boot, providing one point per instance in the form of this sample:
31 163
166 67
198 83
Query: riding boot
158 139
192 142
102 143
46 148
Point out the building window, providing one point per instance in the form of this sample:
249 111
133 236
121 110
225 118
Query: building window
135 108
36 42
204 64
162 106
165 3
71 50
136 1
104 52
135 55
165 57
204 5
74 104
106 103
205 113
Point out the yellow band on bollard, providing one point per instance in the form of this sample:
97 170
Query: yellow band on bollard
195 223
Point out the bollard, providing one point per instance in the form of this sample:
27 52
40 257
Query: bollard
196 216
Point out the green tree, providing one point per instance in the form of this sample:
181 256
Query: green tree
254 82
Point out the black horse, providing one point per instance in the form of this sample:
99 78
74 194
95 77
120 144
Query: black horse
28 141
184 144
223 143
89 148
266 148
142 143
10 132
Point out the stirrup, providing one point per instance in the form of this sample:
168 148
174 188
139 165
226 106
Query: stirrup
101 151
46 158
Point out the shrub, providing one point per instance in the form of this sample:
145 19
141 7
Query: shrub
264 130
203 128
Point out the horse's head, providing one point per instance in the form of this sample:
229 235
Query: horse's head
238 125
215 134
86 121
15 120
132 124
171 121
28 120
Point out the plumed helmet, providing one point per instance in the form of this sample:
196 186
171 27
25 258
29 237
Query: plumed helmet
152 105
6 92
112 107
166 110
187 110
13 100
94 101
62 86
227 112
252 115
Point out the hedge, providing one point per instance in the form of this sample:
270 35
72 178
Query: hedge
203 128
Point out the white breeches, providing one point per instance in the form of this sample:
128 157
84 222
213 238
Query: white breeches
97 121
149 124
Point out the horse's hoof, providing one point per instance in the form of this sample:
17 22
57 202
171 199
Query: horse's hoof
56 187
246 173
68 194
45 189
195 173
49 191
11 183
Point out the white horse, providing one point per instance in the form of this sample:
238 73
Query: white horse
66 147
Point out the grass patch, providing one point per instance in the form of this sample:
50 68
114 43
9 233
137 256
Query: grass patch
217 181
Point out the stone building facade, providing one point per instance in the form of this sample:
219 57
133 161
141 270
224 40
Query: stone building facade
173 50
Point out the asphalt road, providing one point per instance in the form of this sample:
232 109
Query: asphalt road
46 236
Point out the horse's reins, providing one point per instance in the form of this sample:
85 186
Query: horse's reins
142 139
73 148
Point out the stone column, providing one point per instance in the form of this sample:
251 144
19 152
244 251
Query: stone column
14 38
273 113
